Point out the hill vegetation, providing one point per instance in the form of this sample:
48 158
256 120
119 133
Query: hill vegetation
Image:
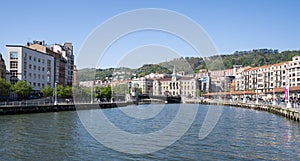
191 65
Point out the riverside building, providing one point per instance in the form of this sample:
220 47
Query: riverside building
32 66
59 61
176 86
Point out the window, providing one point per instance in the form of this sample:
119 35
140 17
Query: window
34 59
43 69
29 66
29 75
25 56
29 57
39 60
14 64
39 68
25 74
34 67
13 55
14 73
34 84
39 84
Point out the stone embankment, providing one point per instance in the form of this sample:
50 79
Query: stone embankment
290 113
20 109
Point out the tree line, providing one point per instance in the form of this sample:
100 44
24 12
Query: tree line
24 90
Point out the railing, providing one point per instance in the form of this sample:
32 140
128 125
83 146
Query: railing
294 106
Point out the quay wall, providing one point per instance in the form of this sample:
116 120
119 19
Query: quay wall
290 113
10 110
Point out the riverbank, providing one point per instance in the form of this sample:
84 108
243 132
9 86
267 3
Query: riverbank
290 113
11 110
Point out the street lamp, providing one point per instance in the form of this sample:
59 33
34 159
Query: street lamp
274 84
55 94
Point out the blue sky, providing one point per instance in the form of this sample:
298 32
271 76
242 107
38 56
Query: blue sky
231 24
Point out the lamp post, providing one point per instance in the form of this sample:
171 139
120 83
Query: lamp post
287 92
92 87
55 93
274 84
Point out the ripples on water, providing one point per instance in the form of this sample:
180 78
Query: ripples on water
239 134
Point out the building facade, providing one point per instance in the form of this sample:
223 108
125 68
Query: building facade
59 61
66 51
176 86
2 67
269 77
32 66
145 84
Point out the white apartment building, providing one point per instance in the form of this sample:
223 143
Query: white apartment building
29 65
269 77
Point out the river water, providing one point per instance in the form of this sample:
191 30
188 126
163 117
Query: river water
240 134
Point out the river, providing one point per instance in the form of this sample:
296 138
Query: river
240 134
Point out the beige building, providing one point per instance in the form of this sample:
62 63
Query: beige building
176 86
59 61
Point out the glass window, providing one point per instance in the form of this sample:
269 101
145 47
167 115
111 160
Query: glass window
13 55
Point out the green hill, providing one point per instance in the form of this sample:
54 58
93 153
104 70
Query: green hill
193 64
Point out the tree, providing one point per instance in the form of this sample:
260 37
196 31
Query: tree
139 90
22 89
103 92
64 92
47 91
4 88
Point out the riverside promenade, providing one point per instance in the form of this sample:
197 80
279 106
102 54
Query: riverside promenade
290 113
